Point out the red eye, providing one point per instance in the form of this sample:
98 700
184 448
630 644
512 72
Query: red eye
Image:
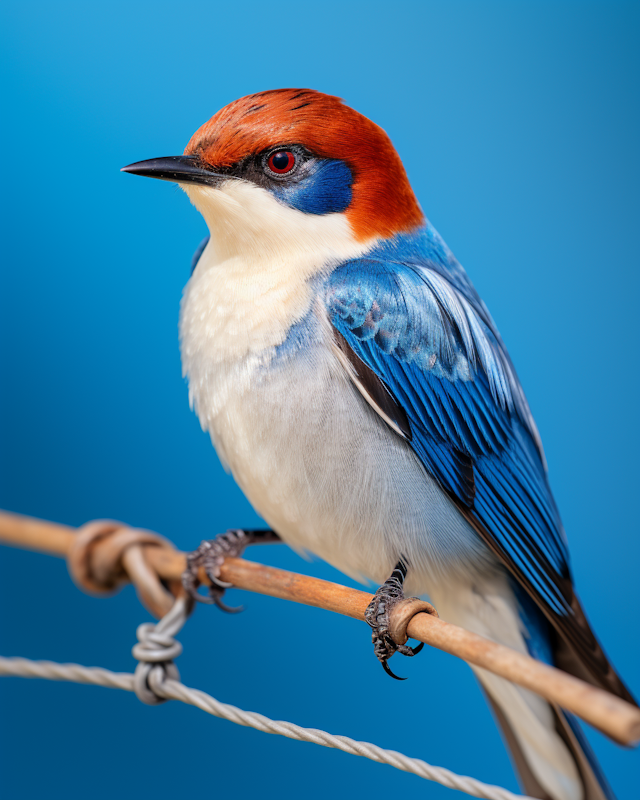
281 162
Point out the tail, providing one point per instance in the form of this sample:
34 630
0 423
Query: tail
548 749
588 782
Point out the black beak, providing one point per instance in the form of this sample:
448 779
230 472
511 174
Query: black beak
179 169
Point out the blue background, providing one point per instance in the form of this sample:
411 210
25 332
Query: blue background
519 126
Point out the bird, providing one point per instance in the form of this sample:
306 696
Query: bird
355 385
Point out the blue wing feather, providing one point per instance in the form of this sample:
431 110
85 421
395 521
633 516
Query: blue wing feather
410 314
196 256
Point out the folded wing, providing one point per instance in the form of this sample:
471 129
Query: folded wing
426 355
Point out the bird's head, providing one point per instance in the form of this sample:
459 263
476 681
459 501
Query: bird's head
292 167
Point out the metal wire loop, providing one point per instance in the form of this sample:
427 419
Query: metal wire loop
155 652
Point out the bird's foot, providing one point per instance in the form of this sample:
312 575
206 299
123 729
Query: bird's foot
211 555
387 634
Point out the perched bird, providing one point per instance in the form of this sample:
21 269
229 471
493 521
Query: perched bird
354 383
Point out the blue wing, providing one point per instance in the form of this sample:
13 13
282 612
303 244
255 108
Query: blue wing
196 256
447 370
410 319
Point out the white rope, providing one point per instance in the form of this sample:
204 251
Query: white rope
169 689
157 679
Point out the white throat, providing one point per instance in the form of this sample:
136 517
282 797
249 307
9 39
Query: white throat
252 283
247 221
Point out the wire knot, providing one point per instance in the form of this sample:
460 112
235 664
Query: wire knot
401 615
106 554
155 652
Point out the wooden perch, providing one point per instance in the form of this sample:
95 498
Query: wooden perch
614 717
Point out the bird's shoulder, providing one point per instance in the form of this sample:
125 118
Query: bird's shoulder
410 302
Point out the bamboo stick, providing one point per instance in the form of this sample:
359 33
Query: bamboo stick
614 717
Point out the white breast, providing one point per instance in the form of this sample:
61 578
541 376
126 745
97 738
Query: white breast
251 285
315 461
319 465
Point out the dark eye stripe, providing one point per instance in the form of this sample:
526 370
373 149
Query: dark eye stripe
281 162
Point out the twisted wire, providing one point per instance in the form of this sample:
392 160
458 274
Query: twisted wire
169 689
156 650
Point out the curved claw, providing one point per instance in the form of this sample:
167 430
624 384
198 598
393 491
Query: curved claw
191 588
217 582
201 598
387 669
224 607
405 650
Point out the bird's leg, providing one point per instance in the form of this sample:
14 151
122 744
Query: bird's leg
378 613
211 555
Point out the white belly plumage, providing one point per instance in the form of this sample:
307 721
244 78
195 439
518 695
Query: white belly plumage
326 472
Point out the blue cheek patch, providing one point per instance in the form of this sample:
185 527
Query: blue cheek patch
326 189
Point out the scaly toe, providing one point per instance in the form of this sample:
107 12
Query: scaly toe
378 616
210 555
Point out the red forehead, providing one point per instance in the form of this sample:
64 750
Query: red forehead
383 202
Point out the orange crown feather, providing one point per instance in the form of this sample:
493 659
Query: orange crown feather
383 202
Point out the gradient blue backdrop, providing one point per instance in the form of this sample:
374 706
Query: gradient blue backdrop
519 126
